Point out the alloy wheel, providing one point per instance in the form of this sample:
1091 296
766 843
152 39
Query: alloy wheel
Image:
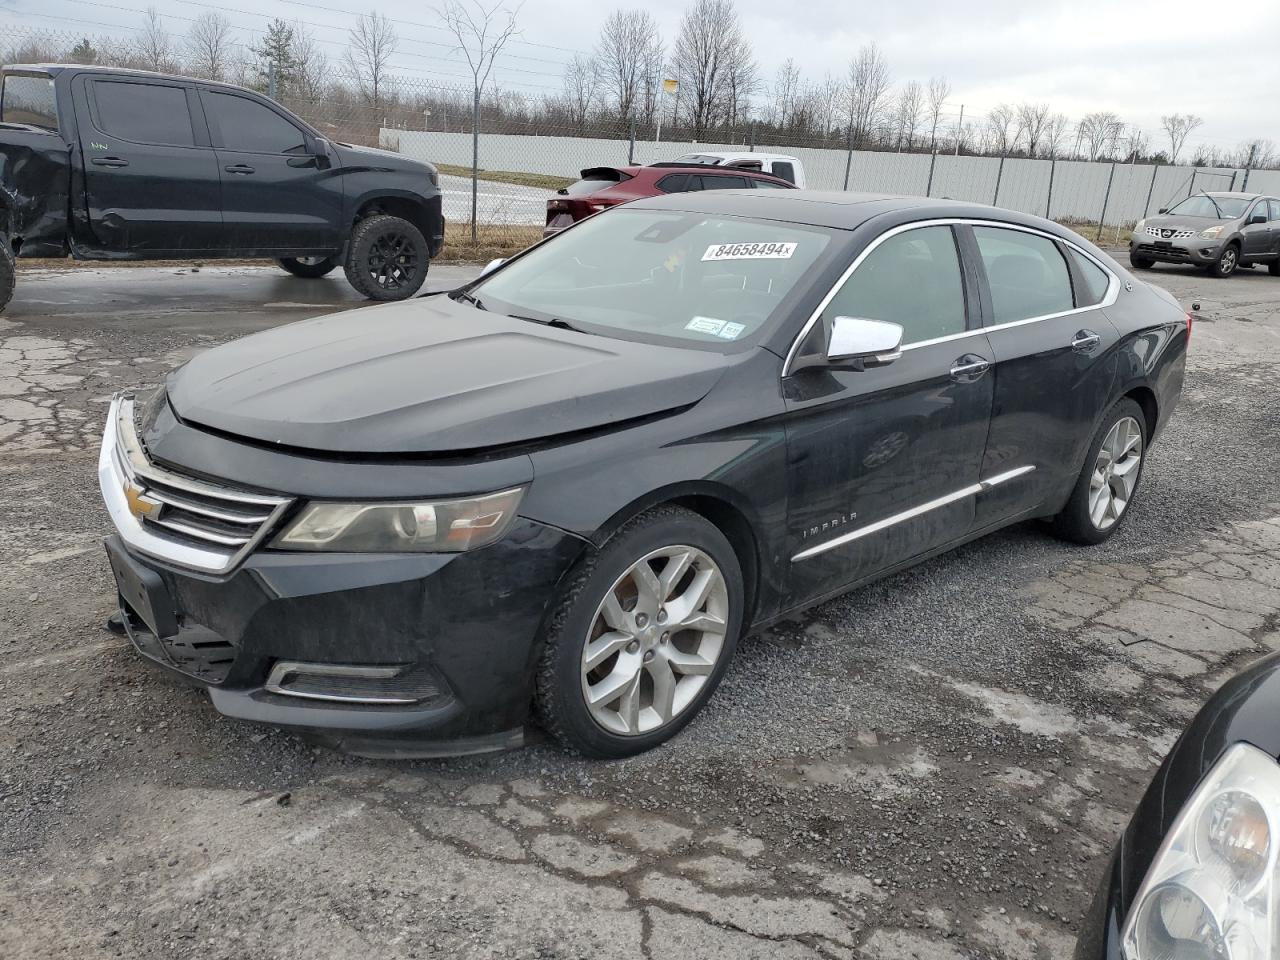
1115 473
655 640
1227 265
393 260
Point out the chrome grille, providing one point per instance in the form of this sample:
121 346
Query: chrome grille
1167 233
182 519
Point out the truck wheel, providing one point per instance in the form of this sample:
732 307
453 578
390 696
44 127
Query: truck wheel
6 274
387 258
309 268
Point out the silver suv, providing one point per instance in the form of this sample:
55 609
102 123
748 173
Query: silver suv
1217 231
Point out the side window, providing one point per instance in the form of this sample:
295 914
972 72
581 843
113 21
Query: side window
248 126
1026 273
784 171
766 185
724 183
143 112
1096 280
675 183
29 100
912 279
1275 210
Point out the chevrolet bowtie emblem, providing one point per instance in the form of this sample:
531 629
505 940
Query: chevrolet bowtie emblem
140 505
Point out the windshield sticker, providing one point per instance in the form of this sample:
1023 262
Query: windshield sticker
731 331
750 251
708 325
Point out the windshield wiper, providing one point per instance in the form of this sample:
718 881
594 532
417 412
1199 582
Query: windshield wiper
555 322
1217 209
470 298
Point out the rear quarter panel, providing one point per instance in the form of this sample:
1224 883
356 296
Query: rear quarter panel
35 184
1153 344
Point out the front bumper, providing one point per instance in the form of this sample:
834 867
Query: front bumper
444 645
1192 250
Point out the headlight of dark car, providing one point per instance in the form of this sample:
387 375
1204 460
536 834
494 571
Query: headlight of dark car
1211 892
437 526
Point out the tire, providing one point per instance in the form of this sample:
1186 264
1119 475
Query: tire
1141 263
1226 263
6 274
387 258
1077 521
641 648
309 268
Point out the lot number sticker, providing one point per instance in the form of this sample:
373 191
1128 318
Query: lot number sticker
750 251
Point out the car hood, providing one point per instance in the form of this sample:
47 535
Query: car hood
378 159
431 376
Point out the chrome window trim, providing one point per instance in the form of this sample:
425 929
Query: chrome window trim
916 511
121 459
1108 299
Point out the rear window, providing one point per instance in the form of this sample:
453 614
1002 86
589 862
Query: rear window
1096 280
594 183
143 112
724 183
784 170
29 100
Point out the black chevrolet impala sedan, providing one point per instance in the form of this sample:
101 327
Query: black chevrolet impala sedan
567 489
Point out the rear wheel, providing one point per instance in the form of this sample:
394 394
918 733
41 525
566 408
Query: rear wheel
641 636
1227 261
1109 478
6 274
309 268
1142 263
387 258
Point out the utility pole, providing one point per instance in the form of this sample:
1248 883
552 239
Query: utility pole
959 129
1248 166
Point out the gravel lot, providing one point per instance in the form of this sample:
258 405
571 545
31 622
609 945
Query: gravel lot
934 767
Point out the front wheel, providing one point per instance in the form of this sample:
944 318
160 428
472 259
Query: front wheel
387 258
641 636
309 268
1109 478
1226 263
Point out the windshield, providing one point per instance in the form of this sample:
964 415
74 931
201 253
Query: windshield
29 100
1214 208
661 275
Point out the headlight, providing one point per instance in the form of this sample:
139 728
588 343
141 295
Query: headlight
1213 233
1212 891
441 526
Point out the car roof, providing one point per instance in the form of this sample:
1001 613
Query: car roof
1227 194
652 172
54 69
727 154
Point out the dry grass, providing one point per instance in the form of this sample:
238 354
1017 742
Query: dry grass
492 241
543 180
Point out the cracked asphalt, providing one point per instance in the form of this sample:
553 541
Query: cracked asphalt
935 767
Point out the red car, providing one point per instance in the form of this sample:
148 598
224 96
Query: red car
603 187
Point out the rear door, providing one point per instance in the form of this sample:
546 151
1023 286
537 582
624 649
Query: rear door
151 177
884 463
1055 362
277 198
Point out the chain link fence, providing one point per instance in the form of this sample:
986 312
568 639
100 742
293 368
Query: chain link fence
528 147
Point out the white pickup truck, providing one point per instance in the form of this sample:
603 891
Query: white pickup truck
776 164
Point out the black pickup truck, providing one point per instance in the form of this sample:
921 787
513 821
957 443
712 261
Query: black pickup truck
108 164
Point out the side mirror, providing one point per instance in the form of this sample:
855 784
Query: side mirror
1163 210
492 265
864 343
1257 218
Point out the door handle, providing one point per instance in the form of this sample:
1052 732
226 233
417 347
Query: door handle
1084 341
241 168
969 368
108 162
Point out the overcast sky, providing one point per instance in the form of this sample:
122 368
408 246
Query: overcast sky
1141 58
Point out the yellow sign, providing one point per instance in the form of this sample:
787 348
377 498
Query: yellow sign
670 86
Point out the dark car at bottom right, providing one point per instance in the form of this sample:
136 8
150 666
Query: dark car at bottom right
1218 232
1195 876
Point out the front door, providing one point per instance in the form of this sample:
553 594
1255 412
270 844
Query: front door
883 463
276 197
151 178
1055 363
1257 236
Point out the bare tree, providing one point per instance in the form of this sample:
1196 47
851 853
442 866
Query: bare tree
155 49
1258 153
1055 134
209 45
865 93
907 111
742 81
1136 143
707 51
826 100
373 42
1100 130
786 89
481 32
580 77
1178 127
1032 119
624 58
935 98
1000 121
311 66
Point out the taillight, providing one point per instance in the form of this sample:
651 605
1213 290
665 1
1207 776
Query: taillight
1189 326
555 205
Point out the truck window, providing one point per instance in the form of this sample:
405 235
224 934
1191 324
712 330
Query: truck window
248 126
143 112
783 170
29 100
